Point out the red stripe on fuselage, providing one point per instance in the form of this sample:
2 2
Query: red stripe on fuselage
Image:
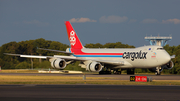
79 52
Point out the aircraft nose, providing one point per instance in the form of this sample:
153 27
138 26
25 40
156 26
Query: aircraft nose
167 57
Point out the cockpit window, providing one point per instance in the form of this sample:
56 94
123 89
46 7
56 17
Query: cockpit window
160 48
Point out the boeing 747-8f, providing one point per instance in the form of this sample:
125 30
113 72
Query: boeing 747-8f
154 58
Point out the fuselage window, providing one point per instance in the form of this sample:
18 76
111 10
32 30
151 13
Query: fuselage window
160 48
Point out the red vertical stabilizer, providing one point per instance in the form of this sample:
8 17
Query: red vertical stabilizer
72 36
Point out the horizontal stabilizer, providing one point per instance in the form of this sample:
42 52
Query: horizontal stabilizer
173 56
55 51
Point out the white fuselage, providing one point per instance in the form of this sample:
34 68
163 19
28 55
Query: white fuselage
141 57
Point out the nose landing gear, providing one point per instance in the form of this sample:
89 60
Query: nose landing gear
158 70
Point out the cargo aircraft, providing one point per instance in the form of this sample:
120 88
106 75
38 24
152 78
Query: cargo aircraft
104 60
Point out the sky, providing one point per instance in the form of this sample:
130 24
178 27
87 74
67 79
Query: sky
95 21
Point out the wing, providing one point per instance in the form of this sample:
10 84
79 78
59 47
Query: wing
47 57
112 62
29 56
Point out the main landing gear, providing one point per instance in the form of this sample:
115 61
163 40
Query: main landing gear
158 70
117 71
105 72
130 71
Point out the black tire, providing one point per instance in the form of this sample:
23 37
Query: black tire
130 71
104 72
158 73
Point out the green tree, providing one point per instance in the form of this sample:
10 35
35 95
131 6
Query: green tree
45 65
30 47
74 67
23 65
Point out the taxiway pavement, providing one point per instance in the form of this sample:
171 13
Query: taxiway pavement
88 93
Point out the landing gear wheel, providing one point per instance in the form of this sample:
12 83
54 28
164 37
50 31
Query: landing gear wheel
105 72
116 72
158 72
130 71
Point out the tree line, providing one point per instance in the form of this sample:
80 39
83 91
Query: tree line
30 47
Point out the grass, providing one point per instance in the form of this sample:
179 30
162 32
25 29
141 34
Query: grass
8 79
19 71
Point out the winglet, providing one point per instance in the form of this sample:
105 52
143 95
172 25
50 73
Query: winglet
12 54
72 36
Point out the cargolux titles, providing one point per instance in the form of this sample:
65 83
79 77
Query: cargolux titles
134 55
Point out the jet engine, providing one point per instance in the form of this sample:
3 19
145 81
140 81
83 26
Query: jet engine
169 65
94 67
58 63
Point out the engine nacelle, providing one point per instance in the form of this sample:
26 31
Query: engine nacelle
58 63
169 65
94 67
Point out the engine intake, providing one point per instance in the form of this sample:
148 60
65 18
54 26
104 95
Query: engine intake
169 65
94 67
58 63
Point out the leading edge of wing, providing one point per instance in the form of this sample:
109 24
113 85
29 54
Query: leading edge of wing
44 57
112 62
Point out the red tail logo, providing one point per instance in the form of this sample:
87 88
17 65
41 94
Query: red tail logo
72 36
